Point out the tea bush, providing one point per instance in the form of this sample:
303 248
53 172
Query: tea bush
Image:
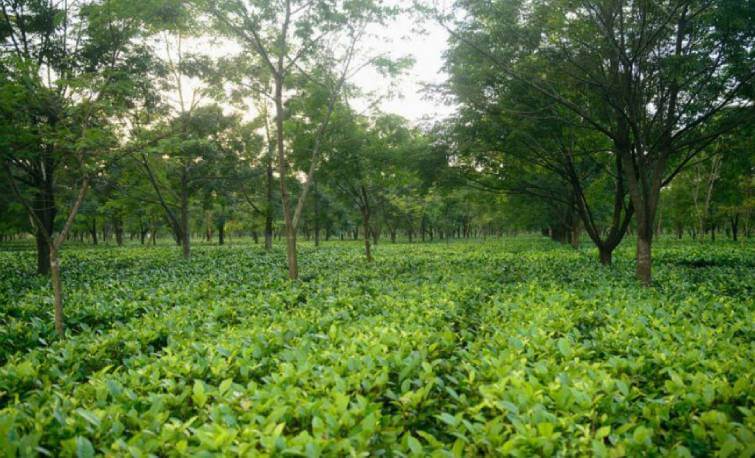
512 347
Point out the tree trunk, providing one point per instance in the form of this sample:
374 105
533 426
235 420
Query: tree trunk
317 213
734 227
57 289
366 221
644 258
184 230
142 231
293 267
45 209
93 231
576 229
644 190
118 228
43 254
221 232
269 208
606 255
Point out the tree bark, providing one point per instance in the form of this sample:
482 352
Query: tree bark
293 267
43 254
316 198
606 256
93 231
575 232
644 258
644 190
57 288
734 227
118 228
269 207
184 230
45 210
366 222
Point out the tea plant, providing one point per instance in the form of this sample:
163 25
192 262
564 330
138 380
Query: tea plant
514 347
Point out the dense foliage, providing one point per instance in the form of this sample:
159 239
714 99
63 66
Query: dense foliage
512 346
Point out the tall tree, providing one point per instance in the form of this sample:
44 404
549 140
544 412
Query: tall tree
181 165
295 40
69 71
649 76
66 68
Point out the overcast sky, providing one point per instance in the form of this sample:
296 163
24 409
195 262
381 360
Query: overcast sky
401 38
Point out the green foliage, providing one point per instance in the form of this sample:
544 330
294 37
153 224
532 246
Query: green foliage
511 347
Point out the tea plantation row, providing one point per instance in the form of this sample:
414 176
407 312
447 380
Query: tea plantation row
513 347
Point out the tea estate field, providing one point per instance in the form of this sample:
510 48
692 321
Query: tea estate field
514 347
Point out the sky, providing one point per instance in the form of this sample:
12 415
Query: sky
401 38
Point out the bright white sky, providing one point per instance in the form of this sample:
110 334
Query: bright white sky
402 38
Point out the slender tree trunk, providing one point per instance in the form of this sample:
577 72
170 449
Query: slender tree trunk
316 197
644 258
269 208
93 231
575 232
118 228
606 255
734 227
221 232
293 267
184 230
43 254
142 231
57 289
46 210
644 190
366 222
